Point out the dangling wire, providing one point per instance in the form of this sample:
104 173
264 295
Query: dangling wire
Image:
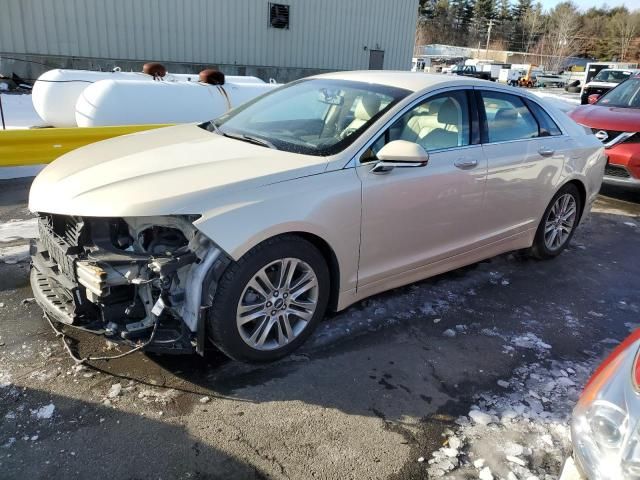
78 360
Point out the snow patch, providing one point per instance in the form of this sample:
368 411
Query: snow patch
18 230
5 379
45 412
520 434
14 254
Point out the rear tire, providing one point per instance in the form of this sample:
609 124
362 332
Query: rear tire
269 302
558 223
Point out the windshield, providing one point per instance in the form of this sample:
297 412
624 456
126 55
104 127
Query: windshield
612 76
314 116
625 95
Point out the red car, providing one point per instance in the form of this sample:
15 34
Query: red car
605 423
614 118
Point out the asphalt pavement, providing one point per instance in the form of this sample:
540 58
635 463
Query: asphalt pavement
372 395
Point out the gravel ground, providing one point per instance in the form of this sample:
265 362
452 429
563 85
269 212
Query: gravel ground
467 374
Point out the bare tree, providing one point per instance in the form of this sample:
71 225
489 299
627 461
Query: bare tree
560 39
532 22
624 27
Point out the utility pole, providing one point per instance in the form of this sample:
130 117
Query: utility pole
486 50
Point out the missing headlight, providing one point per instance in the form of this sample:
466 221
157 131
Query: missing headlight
159 240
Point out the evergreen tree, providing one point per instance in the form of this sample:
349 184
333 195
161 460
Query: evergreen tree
504 11
485 10
519 9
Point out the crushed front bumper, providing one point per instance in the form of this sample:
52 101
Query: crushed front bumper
123 295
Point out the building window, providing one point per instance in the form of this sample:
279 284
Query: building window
279 16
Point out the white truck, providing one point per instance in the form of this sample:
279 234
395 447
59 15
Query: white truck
602 77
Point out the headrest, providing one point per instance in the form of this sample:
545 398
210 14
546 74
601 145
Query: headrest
367 107
434 107
506 115
448 113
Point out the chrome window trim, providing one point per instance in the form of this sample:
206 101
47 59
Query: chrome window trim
354 161
522 140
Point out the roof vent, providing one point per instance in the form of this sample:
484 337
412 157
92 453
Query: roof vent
279 16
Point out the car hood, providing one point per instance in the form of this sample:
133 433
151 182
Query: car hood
174 170
607 118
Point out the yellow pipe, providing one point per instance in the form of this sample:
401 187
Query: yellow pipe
43 145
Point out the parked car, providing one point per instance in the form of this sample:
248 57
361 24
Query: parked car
604 424
615 120
604 81
328 190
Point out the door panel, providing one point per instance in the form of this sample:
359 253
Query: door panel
524 168
520 182
413 216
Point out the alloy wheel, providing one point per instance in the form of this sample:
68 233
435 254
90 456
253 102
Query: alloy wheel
277 304
560 222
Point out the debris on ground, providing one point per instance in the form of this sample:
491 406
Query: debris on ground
114 391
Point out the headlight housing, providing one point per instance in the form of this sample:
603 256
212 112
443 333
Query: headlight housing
604 427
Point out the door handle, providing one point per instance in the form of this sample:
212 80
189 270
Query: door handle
466 163
546 152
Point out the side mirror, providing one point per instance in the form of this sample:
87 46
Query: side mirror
402 154
593 98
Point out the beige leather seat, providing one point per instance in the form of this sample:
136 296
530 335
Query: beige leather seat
423 120
446 135
366 108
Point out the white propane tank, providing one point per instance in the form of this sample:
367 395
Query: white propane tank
193 77
123 102
56 92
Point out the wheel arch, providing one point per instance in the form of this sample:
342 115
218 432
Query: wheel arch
332 263
323 246
582 190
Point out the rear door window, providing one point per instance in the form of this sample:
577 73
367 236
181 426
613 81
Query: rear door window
507 117
548 127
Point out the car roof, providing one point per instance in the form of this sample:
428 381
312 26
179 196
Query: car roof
414 81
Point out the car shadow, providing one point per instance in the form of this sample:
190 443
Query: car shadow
619 193
88 440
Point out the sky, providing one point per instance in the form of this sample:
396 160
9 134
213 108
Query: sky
586 4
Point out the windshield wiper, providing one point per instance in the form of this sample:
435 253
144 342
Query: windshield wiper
240 136
251 139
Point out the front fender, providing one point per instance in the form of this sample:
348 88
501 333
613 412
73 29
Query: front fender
325 205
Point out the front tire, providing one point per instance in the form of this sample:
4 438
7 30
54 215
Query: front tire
558 223
268 303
